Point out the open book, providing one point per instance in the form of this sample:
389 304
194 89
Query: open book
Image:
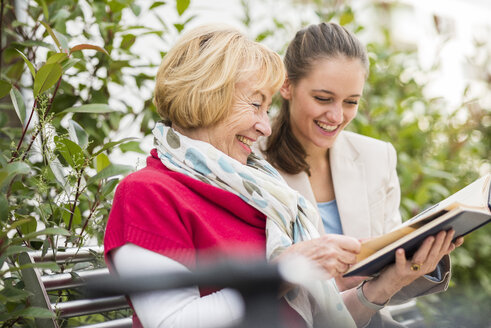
465 211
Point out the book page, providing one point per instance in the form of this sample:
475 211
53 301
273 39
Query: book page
473 195
371 246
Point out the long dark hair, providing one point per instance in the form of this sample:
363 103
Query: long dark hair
319 41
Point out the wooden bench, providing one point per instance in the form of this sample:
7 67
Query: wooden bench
46 290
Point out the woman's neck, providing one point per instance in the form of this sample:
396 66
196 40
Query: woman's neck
317 157
320 176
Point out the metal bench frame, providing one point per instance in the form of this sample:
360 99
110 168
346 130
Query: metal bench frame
407 314
39 285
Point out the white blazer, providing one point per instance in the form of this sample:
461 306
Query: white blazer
367 194
366 185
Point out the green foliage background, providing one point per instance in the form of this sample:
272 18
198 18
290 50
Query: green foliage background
65 66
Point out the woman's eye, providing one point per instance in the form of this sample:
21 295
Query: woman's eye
321 99
352 102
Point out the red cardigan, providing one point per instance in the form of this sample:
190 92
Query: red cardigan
185 219
182 218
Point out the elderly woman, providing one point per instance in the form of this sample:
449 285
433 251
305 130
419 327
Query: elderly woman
204 191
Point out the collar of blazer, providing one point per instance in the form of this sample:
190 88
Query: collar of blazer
348 173
350 187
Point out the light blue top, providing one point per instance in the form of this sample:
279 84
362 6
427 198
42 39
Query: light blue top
330 217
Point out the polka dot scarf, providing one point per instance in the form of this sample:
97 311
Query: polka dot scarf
290 218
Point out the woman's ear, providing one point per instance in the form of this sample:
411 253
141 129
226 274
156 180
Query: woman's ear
285 89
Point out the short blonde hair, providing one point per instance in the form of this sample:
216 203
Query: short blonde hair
195 83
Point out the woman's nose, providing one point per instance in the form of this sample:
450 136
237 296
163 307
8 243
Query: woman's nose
335 113
263 126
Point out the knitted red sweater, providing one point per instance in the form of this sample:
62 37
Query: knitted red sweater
184 219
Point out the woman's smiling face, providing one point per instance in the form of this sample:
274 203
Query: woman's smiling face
247 121
325 101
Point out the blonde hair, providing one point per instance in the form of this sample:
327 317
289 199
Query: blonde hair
196 80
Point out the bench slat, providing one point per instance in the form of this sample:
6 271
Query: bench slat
117 323
74 255
90 306
67 280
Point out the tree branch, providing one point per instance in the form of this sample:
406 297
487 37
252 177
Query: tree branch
16 153
44 117
77 195
92 210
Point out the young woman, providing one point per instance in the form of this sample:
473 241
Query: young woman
351 178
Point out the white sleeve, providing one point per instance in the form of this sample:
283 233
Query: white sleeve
177 308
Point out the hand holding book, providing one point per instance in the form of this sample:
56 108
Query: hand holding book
464 211
375 293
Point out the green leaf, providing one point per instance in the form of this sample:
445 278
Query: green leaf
12 294
77 134
156 4
70 63
440 174
3 175
63 41
12 227
14 249
77 216
71 152
182 5
127 41
53 36
48 231
90 108
13 169
29 64
36 312
179 27
4 88
110 171
4 208
85 46
56 58
101 162
43 5
109 187
62 15
41 265
46 77
36 43
19 106
346 18
131 146
29 226
15 71
58 172
136 9
110 145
